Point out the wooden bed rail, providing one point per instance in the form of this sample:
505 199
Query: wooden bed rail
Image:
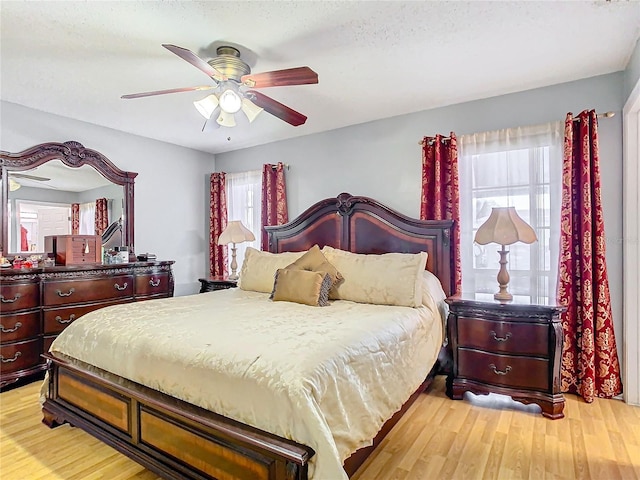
174 439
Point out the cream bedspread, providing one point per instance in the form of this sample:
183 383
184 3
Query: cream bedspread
325 377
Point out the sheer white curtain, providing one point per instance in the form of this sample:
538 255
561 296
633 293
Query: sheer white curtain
87 219
244 197
516 167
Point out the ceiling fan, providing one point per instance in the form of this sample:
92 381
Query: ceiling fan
233 88
15 185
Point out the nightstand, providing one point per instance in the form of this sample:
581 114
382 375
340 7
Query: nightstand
211 284
507 348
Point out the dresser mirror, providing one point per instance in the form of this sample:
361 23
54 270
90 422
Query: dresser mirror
40 184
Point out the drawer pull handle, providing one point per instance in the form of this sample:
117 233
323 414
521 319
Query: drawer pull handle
118 287
9 360
10 330
499 372
154 284
10 300
68 294
59 319
500 339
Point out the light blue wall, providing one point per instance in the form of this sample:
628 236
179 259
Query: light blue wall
382 159
171 193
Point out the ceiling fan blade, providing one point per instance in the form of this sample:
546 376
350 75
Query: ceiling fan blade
280 78
171 90
276 109
196 61
29 177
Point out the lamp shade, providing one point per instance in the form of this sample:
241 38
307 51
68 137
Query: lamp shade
13 185
226 119
235 232
207 105
504 227
250 109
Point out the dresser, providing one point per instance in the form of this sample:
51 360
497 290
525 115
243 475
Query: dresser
36 304
507 348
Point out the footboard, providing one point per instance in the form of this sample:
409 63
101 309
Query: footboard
175 439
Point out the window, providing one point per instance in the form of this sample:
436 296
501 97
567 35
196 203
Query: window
521 168
244 200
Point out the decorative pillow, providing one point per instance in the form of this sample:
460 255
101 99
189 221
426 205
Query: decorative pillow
315 261
387 279
259 268
301 286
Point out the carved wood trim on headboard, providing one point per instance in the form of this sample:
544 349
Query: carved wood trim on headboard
363 225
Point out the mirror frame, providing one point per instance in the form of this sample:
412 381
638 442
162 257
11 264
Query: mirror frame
75 155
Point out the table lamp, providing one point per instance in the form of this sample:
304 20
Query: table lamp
504 227
235 232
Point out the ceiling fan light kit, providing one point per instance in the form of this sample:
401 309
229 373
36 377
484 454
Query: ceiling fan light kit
231 77
207 105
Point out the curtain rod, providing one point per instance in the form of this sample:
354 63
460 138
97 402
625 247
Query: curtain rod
286 165
575 119
421 142
600 115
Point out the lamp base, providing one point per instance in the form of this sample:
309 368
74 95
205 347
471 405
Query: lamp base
503 278
503 296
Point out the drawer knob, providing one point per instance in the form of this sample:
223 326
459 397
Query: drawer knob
500 372
118 287
68 294
500 339
10 300
59 319
154 284
9 360
10 330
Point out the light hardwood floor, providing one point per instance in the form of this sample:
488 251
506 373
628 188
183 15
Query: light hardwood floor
437 439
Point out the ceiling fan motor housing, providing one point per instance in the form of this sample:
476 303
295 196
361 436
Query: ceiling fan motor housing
228 62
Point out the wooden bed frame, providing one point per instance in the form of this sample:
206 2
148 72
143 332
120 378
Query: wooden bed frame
177 440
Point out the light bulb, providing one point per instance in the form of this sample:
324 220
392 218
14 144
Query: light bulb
230 101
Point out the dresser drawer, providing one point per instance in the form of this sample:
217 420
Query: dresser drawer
503 336
19 355
82 290
152 284
47 341
505 370
15 297
19 326
57 319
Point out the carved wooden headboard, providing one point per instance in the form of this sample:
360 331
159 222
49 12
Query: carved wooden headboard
363 225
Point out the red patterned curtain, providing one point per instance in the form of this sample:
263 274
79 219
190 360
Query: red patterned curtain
102 215
590 365
218 222
440 199
274 199
75 218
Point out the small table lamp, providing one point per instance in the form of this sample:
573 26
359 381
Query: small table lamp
235 232
504 227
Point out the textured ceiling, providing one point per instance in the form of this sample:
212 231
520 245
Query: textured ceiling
374 59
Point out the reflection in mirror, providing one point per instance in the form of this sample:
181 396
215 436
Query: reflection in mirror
41 199
63 188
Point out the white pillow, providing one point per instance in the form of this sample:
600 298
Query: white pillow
433 295
386 279
259 268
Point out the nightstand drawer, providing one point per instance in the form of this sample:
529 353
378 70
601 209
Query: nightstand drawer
503 336
505 370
